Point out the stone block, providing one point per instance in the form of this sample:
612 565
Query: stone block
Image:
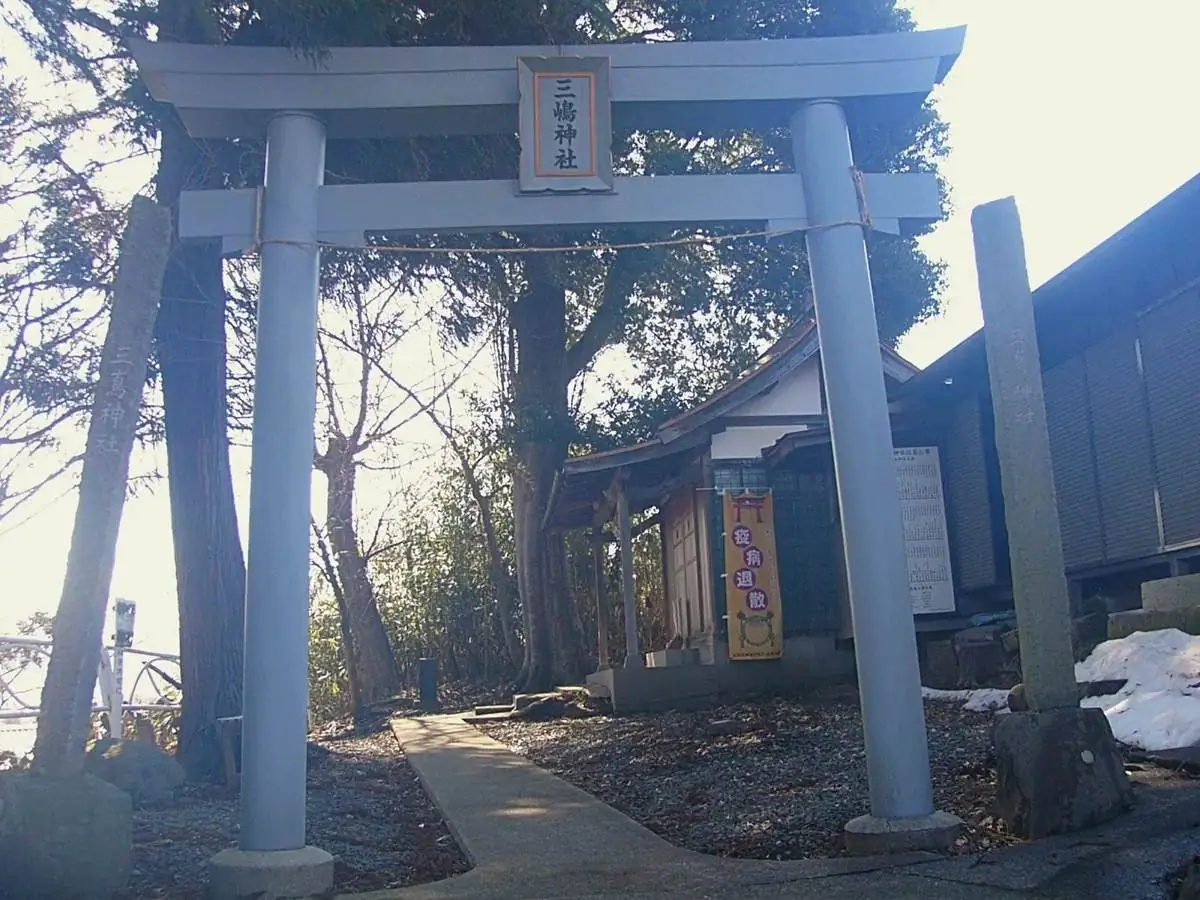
493 709
63 838
873 836
654 690
659 659
270 875
1017 701
1123 624
1189 887
524 701
982 658
940 665
1172 594
1088 631
1058 771
148 774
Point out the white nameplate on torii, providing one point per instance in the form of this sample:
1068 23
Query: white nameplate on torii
565 120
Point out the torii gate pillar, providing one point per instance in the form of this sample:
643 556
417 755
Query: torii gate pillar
885 647
271 841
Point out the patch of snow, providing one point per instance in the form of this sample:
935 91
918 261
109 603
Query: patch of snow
942 696
1159 707
1145 657
979 700
987 700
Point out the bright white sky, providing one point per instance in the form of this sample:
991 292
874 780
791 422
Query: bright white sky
1079 108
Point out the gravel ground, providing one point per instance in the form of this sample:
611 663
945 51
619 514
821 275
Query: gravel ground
770 779
364 806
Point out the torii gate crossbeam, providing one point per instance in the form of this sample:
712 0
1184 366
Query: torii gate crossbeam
565 179
346 212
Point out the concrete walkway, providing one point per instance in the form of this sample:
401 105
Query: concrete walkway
532 836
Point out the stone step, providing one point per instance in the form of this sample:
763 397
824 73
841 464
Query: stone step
490 710
481 719
1123 624
598 691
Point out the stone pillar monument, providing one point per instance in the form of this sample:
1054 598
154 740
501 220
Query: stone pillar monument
1059 769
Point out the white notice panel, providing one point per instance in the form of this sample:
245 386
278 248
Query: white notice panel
930 584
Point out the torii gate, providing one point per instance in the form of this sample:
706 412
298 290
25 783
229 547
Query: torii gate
564 102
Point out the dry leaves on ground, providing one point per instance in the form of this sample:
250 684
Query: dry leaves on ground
765 779
365 807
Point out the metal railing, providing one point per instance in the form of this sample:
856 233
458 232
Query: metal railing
22 657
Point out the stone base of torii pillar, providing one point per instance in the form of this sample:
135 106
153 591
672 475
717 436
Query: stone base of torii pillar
270 874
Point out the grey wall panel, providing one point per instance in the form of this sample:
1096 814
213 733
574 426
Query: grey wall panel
1170 343
969 513
1074 473
1121 437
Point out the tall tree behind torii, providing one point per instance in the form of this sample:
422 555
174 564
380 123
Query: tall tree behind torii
210 571
358 421
363 406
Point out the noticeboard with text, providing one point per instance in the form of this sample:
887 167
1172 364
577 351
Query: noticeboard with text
752 578
926 541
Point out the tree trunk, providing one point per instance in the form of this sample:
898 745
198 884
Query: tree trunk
507 594
553 640
378 674
78 629
210 572
537 672
339 595
507 591
570 658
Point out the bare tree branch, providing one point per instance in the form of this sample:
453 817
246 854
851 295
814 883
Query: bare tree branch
619 282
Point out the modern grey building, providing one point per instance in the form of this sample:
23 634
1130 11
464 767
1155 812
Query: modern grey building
1119 335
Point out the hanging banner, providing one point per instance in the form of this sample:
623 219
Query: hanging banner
752 578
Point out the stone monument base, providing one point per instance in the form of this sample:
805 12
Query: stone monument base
63 838
874 836
1058 771
270 875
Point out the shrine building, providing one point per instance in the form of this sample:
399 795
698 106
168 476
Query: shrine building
1119 335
